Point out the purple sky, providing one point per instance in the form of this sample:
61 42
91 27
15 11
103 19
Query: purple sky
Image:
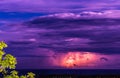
40 33
58 5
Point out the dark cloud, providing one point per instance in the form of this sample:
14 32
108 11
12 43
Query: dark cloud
59 23
45 36
95 35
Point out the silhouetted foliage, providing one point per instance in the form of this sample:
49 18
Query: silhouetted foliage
7 61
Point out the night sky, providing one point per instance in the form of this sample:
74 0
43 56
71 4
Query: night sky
62 34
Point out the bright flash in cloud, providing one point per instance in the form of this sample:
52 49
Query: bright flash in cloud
73 59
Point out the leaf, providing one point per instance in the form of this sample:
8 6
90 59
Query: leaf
14 72
30 75
23 76
8 76
2 45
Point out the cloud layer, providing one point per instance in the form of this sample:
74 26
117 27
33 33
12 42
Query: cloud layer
58 5
45 39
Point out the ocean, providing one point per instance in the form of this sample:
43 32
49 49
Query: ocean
73 73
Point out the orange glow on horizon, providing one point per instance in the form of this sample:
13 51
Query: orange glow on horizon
73 59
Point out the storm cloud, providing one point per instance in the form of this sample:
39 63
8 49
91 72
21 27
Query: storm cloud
95 35
45 37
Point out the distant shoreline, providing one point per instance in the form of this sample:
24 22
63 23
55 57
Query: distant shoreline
72 71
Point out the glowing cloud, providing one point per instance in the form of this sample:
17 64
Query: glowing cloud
74 59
